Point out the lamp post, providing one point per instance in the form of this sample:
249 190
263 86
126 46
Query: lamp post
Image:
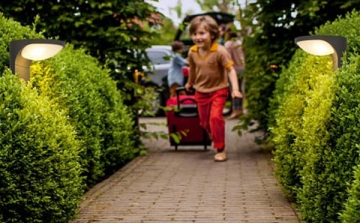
22 52
324 45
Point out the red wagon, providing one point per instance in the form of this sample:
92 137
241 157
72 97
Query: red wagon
182 117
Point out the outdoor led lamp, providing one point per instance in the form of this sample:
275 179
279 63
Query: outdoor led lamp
22 52
324 45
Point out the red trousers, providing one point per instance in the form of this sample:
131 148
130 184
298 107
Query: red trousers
210 108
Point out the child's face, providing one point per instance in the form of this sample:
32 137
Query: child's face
202 37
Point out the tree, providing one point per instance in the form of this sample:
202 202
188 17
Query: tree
115 32
271 44
214 5
166 33
110 30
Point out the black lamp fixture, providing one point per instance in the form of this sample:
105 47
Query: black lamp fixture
22 52
321 45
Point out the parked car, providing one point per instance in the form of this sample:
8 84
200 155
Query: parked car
160 56
156 75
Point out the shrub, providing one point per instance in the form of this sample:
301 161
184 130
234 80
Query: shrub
68 123
39 157
326 179
316 150
342 156
295 101
95 107
12 30
312 139
351 208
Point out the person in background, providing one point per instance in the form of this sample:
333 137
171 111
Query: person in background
234 47
222 32
175 74
211 67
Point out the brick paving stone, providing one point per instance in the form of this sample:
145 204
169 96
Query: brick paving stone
188 186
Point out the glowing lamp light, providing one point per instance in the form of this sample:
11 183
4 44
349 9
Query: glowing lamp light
40 51
324 45
316 47
22 52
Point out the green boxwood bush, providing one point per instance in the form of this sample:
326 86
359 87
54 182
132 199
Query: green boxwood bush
39 154
326 180
342 154
95 107
313 137
295 89
39 157
60 133
289 108
316 143
351 209
12 30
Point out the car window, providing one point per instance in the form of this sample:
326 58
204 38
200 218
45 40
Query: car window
157 57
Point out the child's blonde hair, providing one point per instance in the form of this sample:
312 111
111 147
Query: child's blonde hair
209 24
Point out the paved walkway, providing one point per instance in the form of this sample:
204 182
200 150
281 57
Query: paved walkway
187 186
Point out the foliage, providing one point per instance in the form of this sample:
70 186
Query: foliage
39 161
298 116
67 123
315 141
351 210
103 124
269 46
108 29
311 140
212 5
11 30
166 33
329 165
39 153
326 179
115 32
154 134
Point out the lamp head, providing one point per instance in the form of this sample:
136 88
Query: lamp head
22 52
324 45
40 51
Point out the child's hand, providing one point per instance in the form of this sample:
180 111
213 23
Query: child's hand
188 87
236 94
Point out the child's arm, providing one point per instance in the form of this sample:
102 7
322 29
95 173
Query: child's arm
234 83
191 78
180 60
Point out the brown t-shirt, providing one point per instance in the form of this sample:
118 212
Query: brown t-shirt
208 73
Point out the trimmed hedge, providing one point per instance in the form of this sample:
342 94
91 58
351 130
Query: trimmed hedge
342 156
39 157
295 99
317 149
94 106
351 209
60 133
